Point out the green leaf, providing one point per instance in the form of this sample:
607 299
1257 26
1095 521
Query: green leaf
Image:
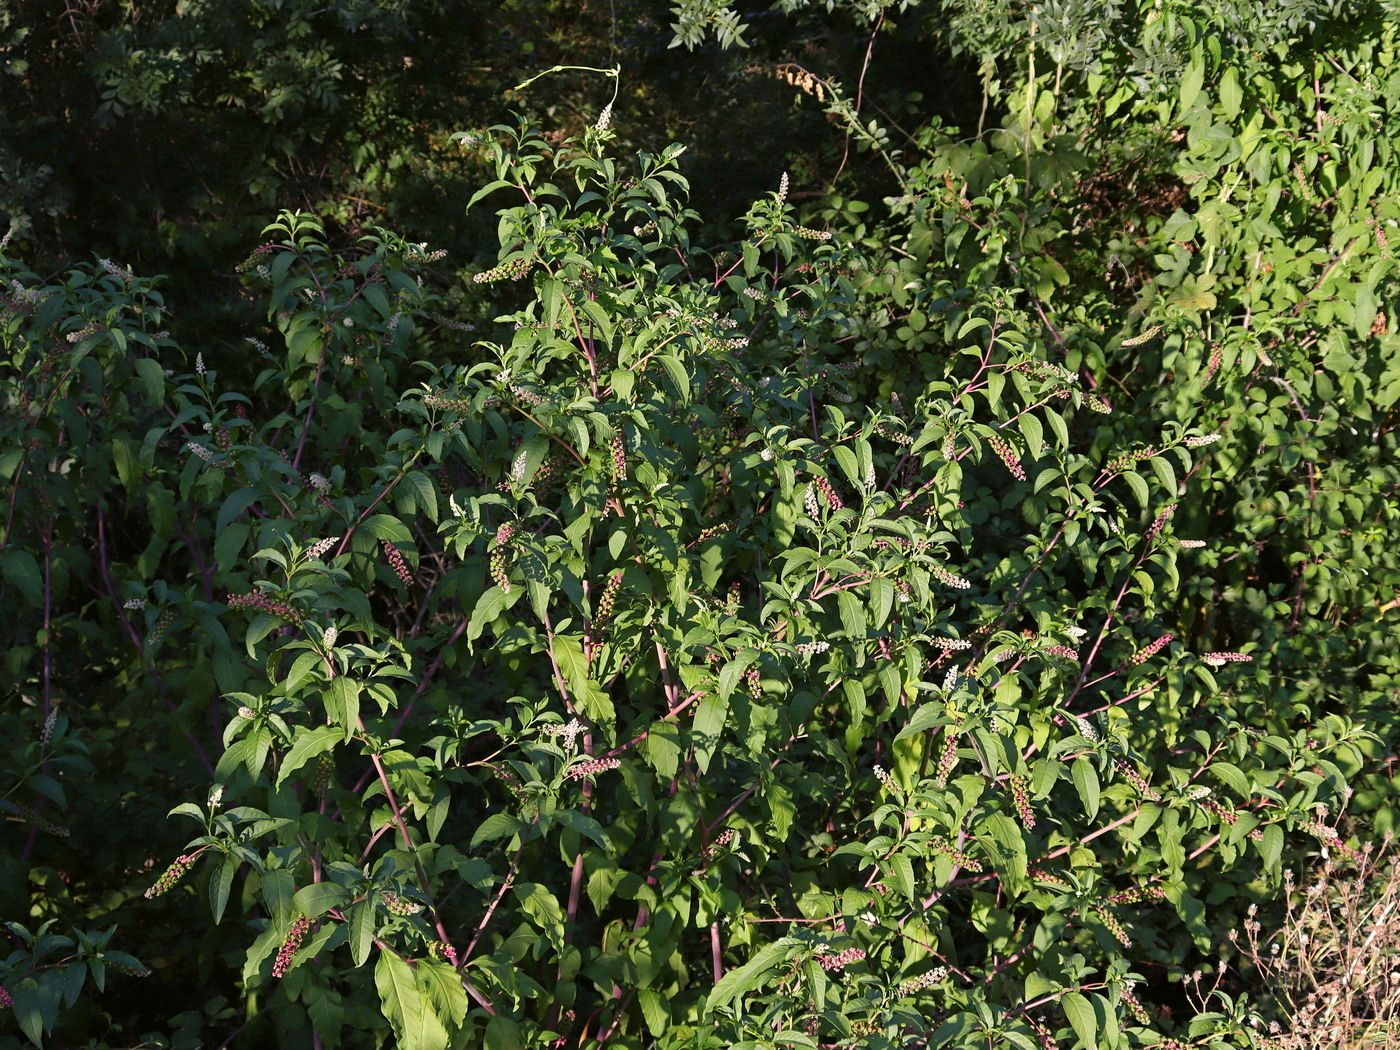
1086 782
342 702
320 897
219 885
747 977
152 378
496 826
306 745
416 1025
654 1010
235 505
488 607
676 373
573 665
21 570
444 987
707 728
1080 1014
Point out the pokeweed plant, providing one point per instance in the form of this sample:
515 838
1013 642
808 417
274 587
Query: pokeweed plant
625 681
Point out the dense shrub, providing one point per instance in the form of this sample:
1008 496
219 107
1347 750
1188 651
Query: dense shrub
927 621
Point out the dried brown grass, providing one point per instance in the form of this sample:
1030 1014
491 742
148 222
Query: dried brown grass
1333 965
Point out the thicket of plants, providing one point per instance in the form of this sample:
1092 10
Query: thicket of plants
936 607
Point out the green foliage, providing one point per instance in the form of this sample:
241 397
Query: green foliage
931 621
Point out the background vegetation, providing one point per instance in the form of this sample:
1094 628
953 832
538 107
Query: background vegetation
844 523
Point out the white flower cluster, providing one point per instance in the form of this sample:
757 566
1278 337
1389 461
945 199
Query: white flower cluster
320 547
811 648
134 603
199 450
319 482
568 730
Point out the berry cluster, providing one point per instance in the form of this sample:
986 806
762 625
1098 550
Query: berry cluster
1136 779
1021 799
597 765
1126 460
288 951
173 874
500 557
396 561
262 603
829 494
948 759
1161 519
959 858
398 906
608 599
511 271
1008 455
1152 648
840 960
1221 659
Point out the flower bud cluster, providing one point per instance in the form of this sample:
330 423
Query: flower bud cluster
199 450
325 769
1221 659
1062 651
260 602
810 234
1114 926
1161 519
134 603
1134 1007
1126 460
173 874
500 556
949 645
31 816
319 548
1331 840
948 759
1098 404
1200 440
828 493
1139 782
50 720
456 404
288 951
83 332
1047 1041
1152 648
840 960
256 257
162 625
592 768
568 730
722 842
619 458
442 950
812 648
511 271
5 1000
952 580
608 599
1138 894
1142 337
924 980
883 776
1021 799
397 562
398 906
1008 456
959 858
